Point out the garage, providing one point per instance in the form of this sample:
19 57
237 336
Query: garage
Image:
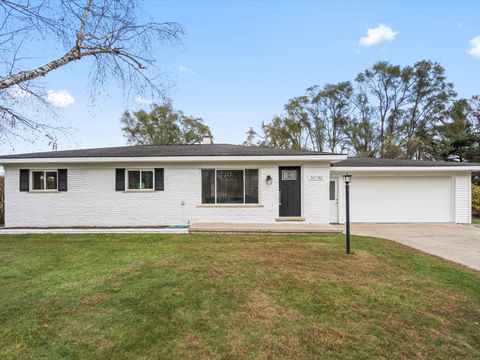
397 199
402 191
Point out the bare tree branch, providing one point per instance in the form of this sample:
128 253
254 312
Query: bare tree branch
108 31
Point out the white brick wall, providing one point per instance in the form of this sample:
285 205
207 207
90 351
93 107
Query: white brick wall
316 206
91 199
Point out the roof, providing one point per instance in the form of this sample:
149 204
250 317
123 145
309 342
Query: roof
166 151
371 162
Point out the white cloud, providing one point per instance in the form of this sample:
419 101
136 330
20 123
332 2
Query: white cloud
184 69
18 93
377 35
60 98
474 47
141 100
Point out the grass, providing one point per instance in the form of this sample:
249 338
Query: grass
476 221
226 296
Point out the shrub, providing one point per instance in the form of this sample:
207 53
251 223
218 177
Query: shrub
476 200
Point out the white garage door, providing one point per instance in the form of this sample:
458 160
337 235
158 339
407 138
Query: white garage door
402 199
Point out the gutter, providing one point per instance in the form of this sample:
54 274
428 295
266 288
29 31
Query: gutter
358 169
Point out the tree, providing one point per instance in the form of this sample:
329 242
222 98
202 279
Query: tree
330 109
109 33
314 121
362 132
286 131
162 125
475 113
394 111
457 139
387 86
428 96
251 135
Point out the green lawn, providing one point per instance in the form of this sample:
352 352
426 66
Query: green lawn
226 296
476 221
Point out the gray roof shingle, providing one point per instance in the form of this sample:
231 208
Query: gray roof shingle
166 150
371 162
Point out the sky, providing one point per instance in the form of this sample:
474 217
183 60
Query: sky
240 62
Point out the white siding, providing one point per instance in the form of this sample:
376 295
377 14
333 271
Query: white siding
463 199
91 199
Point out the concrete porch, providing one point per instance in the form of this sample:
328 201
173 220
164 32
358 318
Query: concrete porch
279 228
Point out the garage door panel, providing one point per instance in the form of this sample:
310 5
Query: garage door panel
402 199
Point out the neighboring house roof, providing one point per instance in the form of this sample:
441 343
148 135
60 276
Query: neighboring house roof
371 162
166 151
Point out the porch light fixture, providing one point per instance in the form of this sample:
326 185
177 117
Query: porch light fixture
347 178
269 180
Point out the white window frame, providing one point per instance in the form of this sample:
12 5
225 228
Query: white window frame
127 184
215 186
45 180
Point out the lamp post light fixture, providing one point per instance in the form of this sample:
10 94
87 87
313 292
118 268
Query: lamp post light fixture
347 178
269 180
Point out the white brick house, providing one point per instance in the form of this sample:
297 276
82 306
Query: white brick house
183 184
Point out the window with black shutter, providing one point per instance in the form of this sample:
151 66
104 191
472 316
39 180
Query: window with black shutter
120 179
62 180
159 182
24 180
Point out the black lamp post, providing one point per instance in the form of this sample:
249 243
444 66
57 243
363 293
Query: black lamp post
347 178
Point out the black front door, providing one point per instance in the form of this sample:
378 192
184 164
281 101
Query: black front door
290 197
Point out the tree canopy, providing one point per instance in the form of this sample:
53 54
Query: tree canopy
162 125
388 111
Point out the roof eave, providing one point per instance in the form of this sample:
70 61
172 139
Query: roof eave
396 169
174 159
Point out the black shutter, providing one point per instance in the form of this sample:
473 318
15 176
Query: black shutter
24 180
159 179
120 180
62 179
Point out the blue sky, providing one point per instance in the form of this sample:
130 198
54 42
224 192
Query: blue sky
242 61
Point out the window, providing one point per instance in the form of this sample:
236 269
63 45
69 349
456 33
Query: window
229 186
251 186
333 190
140 179
44 180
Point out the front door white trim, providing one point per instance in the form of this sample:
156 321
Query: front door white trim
333 199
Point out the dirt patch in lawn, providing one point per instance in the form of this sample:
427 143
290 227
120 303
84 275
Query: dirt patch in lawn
260 308
315 262
94 300
326 335
264 254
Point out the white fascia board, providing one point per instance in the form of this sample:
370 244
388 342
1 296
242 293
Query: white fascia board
358 169
175 159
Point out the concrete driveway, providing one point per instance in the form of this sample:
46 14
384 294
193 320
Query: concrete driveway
459 243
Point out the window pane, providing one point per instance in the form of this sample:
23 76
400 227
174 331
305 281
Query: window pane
134 180
38 180
251 186
147 180
288 175
230 186
51 180
208 186
333 192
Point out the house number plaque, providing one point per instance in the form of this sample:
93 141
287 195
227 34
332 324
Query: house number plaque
316 178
